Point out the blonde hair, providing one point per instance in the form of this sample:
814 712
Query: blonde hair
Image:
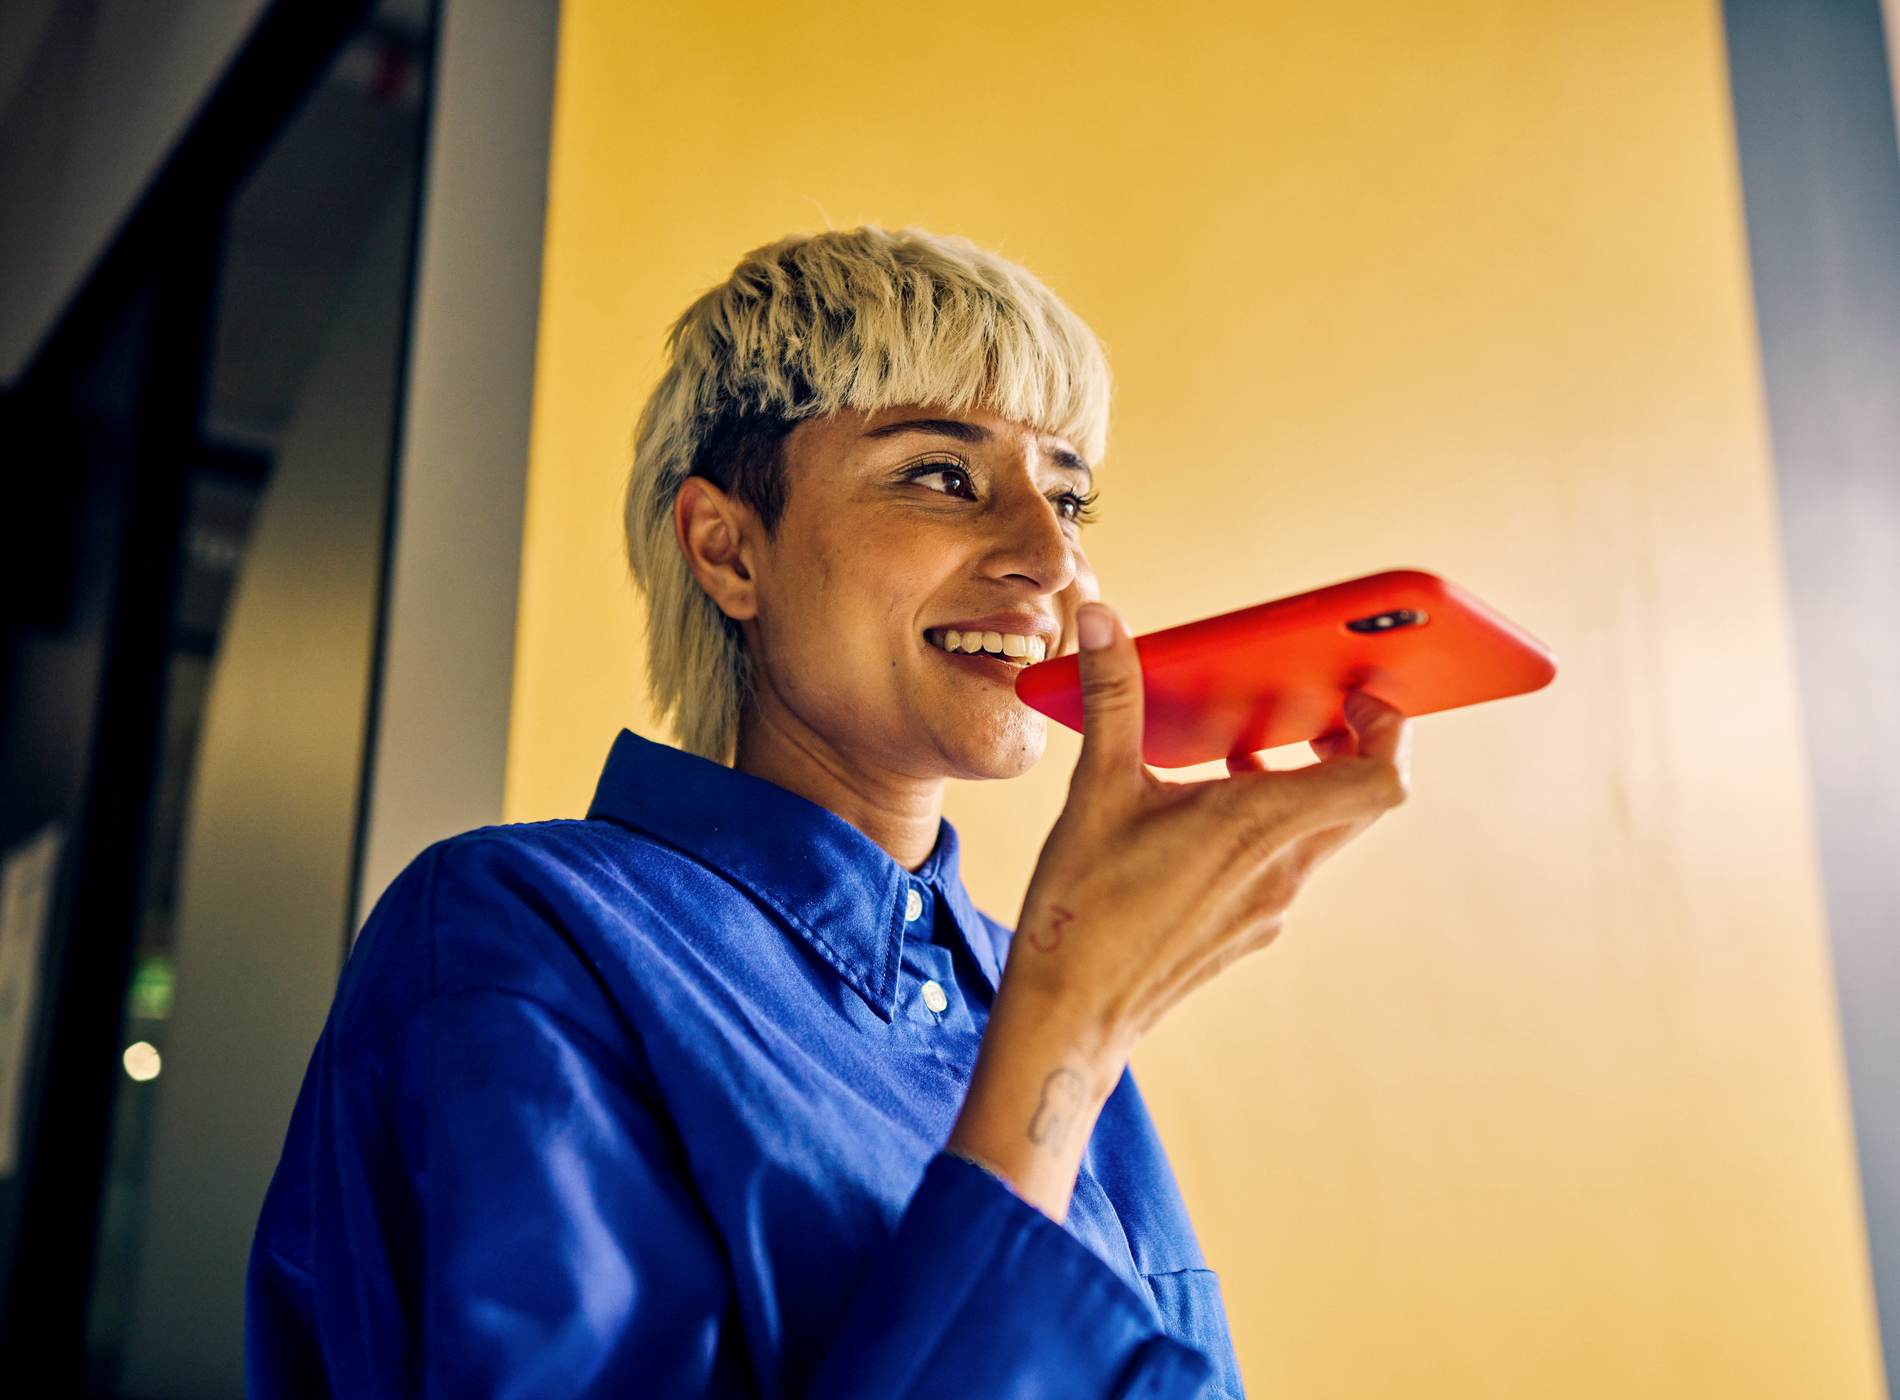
864 319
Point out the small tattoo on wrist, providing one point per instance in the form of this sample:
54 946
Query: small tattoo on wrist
1050 940
1062 1094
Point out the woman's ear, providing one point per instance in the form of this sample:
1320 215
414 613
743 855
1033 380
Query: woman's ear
715 534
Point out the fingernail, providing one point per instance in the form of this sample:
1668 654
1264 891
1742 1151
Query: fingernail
1092 627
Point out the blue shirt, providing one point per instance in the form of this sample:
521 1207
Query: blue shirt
654 1103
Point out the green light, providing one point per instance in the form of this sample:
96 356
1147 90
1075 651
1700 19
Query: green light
153 979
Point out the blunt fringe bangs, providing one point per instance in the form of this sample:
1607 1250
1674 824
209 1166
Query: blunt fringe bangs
864 319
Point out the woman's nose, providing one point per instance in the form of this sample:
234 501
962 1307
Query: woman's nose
1036 545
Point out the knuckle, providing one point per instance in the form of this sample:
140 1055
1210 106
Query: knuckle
1245 819
1256 828
1277 888
1106 688
1387 782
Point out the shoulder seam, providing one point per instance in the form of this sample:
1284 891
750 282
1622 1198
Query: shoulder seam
553 1013
635 1059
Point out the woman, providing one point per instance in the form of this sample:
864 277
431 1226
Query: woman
727 1088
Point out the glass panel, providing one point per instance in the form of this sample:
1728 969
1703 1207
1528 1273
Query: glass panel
253 830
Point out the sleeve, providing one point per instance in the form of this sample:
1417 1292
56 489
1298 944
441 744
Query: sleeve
977 1292
565 1251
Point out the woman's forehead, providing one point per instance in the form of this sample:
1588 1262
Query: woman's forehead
976 426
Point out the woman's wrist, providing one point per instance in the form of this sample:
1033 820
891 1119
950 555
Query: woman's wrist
1041 1079
1065 1023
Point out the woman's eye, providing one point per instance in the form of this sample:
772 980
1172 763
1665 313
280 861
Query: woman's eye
1079 508
1072 506
947 471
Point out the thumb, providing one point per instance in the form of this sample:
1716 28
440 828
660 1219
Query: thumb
1111 696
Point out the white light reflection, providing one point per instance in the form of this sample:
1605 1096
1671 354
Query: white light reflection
141 1060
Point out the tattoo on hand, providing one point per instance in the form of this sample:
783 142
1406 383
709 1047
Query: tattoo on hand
1052 940
1062 1095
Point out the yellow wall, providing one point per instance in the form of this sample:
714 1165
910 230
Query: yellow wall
1541 1091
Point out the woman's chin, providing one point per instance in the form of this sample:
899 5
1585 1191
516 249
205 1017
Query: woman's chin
1007 749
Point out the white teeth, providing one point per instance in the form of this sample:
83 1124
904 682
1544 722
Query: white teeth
1014 645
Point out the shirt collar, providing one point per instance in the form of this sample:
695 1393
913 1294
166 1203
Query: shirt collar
833 885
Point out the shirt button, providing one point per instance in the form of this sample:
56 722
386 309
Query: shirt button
934 997
913 904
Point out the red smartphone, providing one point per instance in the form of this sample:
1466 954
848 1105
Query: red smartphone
1277 673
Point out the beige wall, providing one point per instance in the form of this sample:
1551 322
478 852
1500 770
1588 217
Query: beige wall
1541 1091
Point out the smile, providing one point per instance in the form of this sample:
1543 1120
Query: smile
1008 647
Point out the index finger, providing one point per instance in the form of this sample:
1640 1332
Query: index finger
1380 728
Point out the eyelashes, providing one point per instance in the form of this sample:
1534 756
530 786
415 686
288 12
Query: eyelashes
1083 511
1084 505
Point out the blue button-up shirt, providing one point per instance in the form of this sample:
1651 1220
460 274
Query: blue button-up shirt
655 1103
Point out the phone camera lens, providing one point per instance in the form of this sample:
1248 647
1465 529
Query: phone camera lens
1388 621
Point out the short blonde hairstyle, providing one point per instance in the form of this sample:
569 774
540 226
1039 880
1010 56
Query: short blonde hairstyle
863 319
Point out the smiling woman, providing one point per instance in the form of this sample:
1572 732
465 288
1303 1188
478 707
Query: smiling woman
887 544
862 321
730 1088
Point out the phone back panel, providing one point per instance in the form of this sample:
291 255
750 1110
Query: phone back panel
1277 673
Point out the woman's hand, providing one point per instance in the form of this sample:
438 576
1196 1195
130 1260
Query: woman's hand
1145 889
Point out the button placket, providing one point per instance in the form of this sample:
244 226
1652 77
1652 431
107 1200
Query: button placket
931 990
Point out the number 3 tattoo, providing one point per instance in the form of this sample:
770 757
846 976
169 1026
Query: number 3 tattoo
1052 940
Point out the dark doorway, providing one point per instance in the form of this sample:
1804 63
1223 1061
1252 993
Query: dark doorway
203 463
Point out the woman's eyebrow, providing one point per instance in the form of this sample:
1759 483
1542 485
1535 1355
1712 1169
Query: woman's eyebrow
972 432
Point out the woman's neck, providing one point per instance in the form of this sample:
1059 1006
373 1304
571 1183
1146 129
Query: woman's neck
901 814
